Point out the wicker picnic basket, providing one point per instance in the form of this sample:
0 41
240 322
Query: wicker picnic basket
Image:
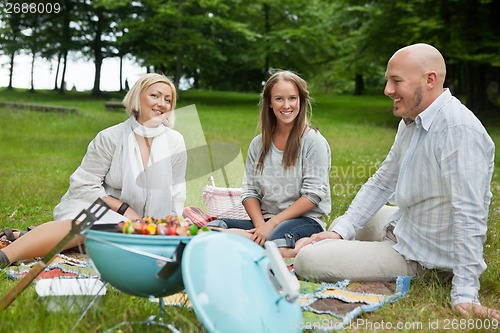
223 201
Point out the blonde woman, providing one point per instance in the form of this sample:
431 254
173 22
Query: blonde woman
137 167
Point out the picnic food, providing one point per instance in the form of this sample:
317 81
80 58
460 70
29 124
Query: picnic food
170 226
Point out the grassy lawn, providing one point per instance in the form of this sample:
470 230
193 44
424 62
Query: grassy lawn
39 151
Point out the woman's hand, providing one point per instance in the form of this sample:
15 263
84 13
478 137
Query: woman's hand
260 234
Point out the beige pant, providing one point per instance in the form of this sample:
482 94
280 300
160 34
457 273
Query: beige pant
368 258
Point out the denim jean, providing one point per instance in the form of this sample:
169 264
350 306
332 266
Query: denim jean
284 235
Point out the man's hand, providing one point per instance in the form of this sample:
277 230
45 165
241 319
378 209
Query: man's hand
475 310
313 239
324 235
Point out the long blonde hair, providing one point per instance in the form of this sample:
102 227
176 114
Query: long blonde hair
132 100
268 120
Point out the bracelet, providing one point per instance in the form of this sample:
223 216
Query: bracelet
123 208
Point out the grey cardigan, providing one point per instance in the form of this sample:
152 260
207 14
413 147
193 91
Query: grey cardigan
277 188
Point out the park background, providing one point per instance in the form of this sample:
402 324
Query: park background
219 53
338 46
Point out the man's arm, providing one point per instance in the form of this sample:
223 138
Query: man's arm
466 161
375 193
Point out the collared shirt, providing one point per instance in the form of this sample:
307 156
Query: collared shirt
438 173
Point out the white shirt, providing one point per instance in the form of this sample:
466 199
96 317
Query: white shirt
101 174
438 173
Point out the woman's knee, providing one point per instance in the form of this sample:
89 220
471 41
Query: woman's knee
290 232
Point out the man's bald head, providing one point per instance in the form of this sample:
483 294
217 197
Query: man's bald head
415 78
425 58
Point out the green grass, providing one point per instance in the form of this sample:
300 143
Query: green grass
39 151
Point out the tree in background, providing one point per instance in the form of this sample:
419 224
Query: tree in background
298 35
472 44
337 45
467 32
10 31
60 34
190 39
99 28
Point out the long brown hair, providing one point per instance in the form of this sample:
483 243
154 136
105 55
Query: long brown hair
268 120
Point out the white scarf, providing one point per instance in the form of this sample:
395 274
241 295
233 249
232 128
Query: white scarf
148 191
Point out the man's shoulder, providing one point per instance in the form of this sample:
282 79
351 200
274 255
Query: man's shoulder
458 121
454 114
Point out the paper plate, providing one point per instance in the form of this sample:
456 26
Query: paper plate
61 294
228 282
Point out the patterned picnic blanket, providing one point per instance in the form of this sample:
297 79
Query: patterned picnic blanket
68 265
333 306
329 307
325 306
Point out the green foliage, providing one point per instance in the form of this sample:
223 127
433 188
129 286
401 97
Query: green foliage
339 46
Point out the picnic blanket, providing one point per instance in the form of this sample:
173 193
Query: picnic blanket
325 306
68 265
333 306
329 307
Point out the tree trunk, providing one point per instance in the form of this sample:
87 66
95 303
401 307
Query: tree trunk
57 70
98 55
11 70
121 73
63 76
196 80
66 38
32 73
359 85
96 90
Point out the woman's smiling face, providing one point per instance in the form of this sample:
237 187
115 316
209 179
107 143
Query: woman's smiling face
285 102
156 102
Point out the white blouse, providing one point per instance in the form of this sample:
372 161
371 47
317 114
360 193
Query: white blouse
100 174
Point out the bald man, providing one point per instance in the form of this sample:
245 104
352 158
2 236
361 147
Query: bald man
437 176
